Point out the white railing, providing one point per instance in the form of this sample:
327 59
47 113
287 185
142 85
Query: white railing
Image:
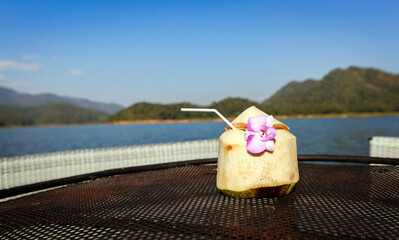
30 169
385 147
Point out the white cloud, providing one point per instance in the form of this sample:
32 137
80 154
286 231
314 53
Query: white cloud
75 71
30 56
13 83
8 65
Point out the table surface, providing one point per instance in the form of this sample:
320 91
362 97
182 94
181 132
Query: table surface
329 202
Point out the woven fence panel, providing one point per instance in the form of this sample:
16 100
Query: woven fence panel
385 147
30 169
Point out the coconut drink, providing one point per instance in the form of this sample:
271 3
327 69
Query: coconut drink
257 156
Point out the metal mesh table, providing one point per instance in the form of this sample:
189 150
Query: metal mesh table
329 202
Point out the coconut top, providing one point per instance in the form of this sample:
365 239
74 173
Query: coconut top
240 122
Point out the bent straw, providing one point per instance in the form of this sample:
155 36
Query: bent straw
209 110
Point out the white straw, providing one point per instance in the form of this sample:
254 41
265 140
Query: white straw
209 110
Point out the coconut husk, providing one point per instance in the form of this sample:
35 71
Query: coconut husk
240 122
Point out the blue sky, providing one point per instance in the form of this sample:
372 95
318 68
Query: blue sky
196 51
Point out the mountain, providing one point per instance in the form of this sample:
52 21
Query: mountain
352 90
49 114
293 88
13 98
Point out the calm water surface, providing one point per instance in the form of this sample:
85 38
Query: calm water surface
336 136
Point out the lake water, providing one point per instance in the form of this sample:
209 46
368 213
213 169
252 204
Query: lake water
331 136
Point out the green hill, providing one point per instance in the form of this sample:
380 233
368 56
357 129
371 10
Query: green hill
352 90
49 114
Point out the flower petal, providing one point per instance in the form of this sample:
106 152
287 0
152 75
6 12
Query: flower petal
255 145
268 124
255 123
270 133
270 146
248 133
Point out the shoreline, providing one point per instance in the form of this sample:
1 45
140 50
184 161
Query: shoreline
171 121
155 121
338 115
298 116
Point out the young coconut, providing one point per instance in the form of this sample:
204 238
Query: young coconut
258 159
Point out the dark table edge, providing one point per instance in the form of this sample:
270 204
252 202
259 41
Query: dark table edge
91 176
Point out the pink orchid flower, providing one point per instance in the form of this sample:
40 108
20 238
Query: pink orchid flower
259 134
